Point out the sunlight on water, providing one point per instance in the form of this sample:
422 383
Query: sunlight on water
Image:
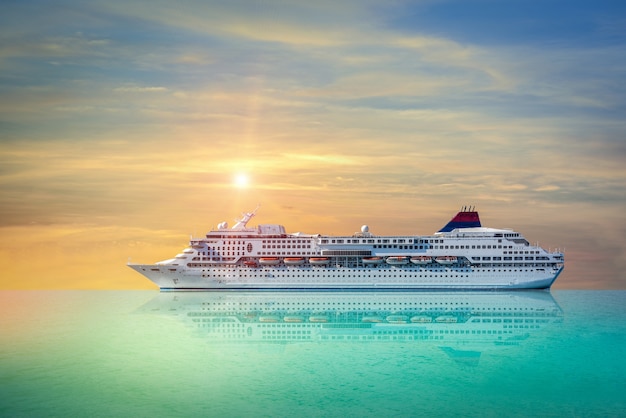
313 354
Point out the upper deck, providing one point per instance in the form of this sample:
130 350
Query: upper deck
467 243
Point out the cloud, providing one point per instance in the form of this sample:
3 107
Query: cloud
140 89
322 23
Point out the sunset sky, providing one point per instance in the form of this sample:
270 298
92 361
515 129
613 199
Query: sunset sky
127 126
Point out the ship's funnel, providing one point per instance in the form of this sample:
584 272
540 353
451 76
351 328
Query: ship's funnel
466 218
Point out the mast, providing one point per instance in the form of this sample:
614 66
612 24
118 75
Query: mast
245 218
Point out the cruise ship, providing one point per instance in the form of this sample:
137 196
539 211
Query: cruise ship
462 255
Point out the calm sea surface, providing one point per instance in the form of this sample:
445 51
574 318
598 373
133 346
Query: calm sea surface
145 353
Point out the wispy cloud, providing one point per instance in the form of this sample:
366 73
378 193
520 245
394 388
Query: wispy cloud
140 89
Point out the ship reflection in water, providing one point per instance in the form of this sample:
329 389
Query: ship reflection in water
463 325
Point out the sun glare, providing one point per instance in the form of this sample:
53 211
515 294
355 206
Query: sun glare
241 180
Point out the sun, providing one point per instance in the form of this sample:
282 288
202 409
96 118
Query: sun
241 180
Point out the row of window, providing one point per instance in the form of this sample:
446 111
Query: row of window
345 325
384 306
401 247
362 276
381 241
392 240
443 247
286 246
508 258
348 241
285 241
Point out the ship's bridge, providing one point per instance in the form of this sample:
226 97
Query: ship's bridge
483 232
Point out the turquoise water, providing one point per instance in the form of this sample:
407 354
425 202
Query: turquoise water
138 353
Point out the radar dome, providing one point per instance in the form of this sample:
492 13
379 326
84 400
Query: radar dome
365 229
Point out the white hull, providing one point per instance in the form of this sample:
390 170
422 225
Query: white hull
311 278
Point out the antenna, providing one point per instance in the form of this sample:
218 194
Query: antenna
245 218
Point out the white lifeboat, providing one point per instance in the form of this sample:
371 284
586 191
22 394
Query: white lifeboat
421 259
372 260
446 259
397 260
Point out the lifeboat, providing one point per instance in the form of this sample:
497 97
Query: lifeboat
397 319
293 261
293 319
318 318
421 319
397 260
319 261
269 319
372 260
446 319
421 259
269 261
250 263
446 259
372 319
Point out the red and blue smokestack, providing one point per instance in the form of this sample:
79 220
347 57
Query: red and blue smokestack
466 218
